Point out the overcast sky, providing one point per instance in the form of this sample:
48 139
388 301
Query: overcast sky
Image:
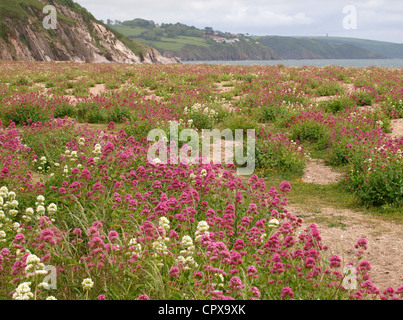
375 19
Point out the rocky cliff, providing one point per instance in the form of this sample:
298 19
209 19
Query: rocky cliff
78 36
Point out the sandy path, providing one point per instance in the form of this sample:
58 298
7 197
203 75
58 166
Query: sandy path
341 228
317 172
397 128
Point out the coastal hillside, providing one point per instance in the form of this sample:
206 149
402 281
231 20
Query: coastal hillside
191 43
388 49
309 48
78 36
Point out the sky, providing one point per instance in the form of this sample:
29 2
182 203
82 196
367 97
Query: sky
366 19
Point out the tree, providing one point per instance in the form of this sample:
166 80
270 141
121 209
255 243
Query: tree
208 30
142 23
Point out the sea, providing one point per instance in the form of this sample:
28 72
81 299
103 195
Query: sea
362 63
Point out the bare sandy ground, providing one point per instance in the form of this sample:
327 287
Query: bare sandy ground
341 228
317 172
397 128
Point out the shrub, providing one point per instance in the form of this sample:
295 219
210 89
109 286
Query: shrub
64 109
24 113
90 112
277 155
363 98
340 151
329 89
336 105
378 184
271 112
394 107
118 115
202 117
240 121
309 130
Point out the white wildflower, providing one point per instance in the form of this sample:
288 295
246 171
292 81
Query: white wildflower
202 228
2 236
34 266
11 195
273 223
156 160
4 192
44 285
40 210
160 246
52 208
23 292
97 149
164 224
87 284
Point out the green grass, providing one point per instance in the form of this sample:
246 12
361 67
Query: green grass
186 40
309 197
17 9
129 31
331 221
165 44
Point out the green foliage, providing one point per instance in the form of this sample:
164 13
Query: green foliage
201 121
309 130
270 113
49 84
380 186
118 115
142 23
363 98
240 121
276 158
152 84
138 128
340 152
189 43
49 143
22 81
316 48
64 109
92 113
23 113
329 88
4 31
394 107
96 115
80 91
338 104
89 112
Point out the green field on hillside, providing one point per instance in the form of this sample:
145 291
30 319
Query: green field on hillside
164 43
